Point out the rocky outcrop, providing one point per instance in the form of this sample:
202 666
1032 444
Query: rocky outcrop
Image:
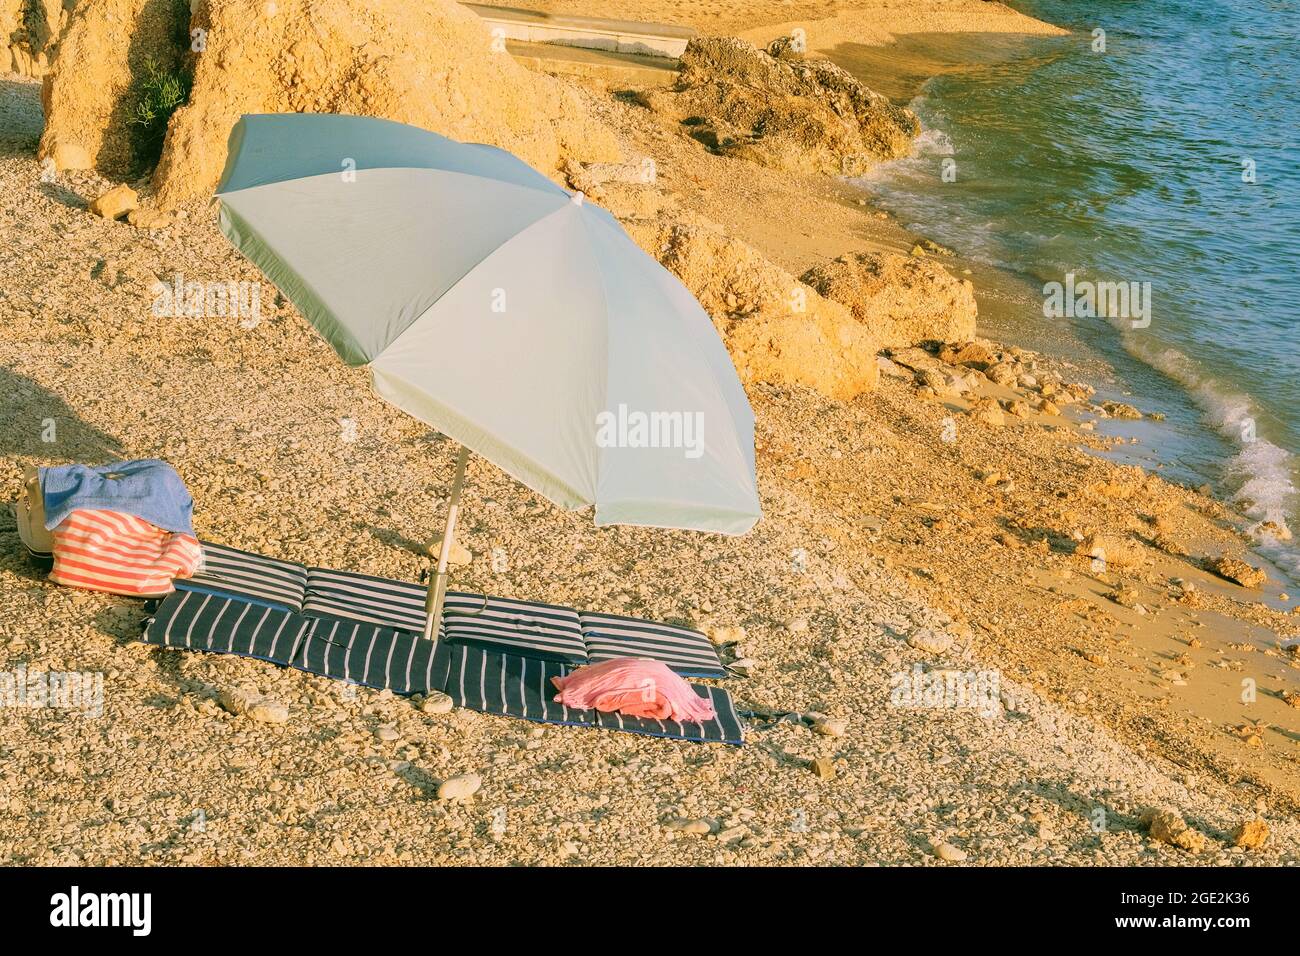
29 35
783 111
776 328
11 22
90 98
431 64
903 300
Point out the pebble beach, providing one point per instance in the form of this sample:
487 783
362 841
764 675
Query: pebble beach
935 530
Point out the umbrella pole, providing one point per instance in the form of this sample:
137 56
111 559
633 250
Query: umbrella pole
438 582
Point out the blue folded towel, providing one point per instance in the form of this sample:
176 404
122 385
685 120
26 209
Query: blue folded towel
148 488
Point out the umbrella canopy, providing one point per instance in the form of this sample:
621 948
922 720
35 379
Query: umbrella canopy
503 311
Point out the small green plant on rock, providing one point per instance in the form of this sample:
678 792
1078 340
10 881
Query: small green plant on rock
159 93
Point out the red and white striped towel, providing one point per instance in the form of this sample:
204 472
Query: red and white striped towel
120 553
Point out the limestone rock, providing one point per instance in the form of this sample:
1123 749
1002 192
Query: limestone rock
988 412
949 853
830 727
939 383
70 156
1166 825
267 711
29 34
903 301
807 115
436 702
1110 551
724 633
148 219
1121 410
932 642
1250 834
699 827
430 64
976 355
115 203
823 767
1239 572
776 329
243 702
1001 373
92 92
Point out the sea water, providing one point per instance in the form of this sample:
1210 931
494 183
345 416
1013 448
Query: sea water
1155 147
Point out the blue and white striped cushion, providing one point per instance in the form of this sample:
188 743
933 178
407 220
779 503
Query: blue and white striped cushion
253 577
518 686
509 684
375 656
203 621
542 631
362 597
525 627
687 652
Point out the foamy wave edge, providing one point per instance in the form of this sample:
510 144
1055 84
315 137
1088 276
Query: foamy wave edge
1260 474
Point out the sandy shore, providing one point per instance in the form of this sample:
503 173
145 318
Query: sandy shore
884 548
863 21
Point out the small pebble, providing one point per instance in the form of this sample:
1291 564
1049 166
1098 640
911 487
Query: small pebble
436 702
822 767
269 712
697 827
831 727
948 852
459 788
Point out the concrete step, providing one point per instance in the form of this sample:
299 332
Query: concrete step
663 40
611 68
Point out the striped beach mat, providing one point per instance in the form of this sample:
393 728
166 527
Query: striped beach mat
543 631
546 631
362 597
226 625
361 652
375 656
549 632
517 686
511 685
252 577
687 652
354 651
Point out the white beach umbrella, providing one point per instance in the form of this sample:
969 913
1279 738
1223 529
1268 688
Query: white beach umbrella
503 311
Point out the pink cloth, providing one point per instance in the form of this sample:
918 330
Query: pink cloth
633 686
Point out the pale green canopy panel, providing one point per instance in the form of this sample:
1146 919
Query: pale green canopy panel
491 304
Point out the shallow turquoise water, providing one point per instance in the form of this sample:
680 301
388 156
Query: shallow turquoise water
1126 165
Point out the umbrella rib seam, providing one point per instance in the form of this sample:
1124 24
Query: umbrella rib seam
464 275
559 192
604 297
713 382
